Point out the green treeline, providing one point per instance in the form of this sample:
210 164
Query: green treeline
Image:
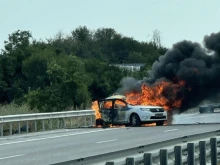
69 71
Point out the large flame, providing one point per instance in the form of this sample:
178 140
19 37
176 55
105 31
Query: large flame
161 94
95 107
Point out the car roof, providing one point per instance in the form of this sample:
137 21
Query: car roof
116 97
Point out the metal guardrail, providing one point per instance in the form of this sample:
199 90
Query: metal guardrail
202 153
8 121
194 149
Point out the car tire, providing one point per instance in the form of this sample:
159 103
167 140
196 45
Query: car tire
135 120
159 123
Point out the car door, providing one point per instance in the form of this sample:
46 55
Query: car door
105 107
121 108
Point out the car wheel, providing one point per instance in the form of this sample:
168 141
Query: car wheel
135 120
159 123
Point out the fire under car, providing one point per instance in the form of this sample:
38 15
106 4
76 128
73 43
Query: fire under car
116 111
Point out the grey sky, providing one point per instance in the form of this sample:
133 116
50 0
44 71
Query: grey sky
175 19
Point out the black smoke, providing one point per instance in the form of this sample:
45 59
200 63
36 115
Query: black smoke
198 66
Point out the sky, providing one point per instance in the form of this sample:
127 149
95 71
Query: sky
176 20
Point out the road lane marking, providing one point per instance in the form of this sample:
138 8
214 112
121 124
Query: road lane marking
8 157
53 137
106 141
171 130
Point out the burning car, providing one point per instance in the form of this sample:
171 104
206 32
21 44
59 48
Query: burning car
115 110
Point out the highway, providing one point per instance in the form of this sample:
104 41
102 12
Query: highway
61 145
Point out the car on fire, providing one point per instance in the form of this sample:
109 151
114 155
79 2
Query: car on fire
116 111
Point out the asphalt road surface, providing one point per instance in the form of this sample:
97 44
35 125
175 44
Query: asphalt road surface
63 145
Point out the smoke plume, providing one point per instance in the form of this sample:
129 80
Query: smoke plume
198 66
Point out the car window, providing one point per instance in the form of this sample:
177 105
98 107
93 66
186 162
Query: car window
119 104
107 104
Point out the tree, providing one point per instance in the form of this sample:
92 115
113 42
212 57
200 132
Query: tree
156 39
68 86
16 50
35 68
68 71
82 34
135 57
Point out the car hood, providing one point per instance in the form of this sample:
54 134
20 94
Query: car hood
144 106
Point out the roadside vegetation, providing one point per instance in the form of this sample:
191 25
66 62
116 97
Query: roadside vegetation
12 108
68 72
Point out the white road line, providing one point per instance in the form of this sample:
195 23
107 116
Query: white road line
107 141
53 137
171 130
8 157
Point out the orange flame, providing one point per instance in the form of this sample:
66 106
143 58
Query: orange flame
95 107
152 124
149 125
154 95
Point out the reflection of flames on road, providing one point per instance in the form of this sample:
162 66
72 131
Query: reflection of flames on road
149 125
161 94
153 124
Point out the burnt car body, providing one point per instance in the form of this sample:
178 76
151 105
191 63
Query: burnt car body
115 110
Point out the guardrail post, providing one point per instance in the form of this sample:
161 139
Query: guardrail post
163 157
178 155
91 120
2 131
213 143
43 126
27 128
85 122
71 123
19 127
130 161
191 153
10 129
58 123
35 126
148 159
51 127
78 122
202 152
64 123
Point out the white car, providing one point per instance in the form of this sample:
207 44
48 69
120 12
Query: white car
115 110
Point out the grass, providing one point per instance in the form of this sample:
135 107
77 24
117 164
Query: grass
13 109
